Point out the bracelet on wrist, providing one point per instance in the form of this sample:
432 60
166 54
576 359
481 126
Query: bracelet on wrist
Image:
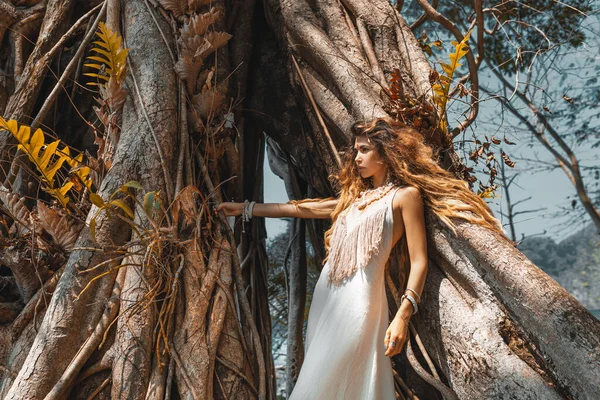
251 209
412 301
416 294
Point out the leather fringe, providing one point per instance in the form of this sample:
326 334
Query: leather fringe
354 249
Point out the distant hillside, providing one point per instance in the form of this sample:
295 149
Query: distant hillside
574 263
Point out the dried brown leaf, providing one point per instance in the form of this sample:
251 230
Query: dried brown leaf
190 46
507 160
15 207
187 67
186 202
113 94
64 231
177 7
216 40
207 102
197 25
508 141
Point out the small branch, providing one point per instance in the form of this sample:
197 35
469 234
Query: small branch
99 389
317 112
480 31
19 33
183 139
350 25
421 20
186 377
73 63
367 46
436 383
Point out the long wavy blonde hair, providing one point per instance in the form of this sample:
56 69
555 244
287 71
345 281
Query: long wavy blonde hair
409 161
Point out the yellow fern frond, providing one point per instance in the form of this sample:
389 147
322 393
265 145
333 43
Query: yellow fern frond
488 193
47 159
442 89
81 171
111 58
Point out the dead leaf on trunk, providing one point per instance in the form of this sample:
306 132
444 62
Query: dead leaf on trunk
59 225
15 207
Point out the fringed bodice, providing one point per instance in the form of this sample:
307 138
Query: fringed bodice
358 236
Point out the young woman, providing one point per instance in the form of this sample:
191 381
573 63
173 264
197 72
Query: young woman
387 181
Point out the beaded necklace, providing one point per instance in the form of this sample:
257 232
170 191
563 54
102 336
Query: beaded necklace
374 194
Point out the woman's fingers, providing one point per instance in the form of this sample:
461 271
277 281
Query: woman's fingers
390 350
226 207
399 341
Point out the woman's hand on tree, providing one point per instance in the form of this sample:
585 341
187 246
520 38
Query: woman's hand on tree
398 333
230 208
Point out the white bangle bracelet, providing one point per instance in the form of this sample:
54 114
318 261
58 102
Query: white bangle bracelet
416 294
412 301
250 209
245 212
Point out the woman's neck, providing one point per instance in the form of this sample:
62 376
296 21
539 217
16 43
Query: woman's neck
379 179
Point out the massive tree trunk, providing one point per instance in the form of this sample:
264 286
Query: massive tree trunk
170 307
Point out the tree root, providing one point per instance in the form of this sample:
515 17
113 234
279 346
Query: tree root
239 284
63 385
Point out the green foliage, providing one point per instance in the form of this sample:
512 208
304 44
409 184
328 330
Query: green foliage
120 200
112 57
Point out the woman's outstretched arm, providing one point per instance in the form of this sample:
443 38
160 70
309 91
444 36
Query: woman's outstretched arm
309 208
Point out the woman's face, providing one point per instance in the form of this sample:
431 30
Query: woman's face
367 159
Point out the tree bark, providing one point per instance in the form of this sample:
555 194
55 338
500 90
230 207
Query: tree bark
190 319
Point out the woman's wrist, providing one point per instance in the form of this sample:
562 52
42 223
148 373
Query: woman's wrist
405 318
405 310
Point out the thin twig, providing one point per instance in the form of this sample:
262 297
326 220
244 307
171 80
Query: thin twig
72 64
367 46
448 393
99 389
317 112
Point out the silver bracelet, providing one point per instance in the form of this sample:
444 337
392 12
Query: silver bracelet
245 217
416 294
412 301
250 209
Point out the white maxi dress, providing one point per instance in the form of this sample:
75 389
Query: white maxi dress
344 355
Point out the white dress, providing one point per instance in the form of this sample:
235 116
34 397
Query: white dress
344 355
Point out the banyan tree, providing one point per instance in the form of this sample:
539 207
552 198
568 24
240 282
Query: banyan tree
124 123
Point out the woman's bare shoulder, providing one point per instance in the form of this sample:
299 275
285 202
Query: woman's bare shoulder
407 197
